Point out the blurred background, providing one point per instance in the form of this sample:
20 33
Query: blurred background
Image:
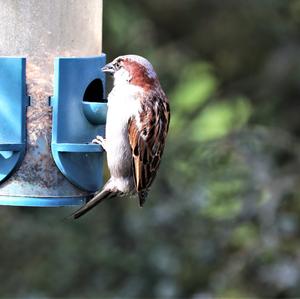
223 216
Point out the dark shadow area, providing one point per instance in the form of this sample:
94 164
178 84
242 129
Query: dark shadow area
94 92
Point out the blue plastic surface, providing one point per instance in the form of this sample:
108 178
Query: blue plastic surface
72 133
95 112
13 103
76 148
25 201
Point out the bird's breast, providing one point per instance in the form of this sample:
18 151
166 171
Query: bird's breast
119 156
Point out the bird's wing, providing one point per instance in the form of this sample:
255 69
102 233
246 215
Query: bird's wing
147 133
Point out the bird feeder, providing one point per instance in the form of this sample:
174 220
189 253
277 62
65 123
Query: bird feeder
51 101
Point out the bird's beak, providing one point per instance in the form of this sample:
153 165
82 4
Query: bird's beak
109 68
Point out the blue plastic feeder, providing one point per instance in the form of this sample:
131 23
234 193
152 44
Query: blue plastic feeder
78 115
52 101
72 129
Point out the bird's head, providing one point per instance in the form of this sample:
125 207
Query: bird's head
132 69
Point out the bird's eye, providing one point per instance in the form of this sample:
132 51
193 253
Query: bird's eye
117 65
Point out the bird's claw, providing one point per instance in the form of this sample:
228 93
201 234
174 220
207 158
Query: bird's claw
99 140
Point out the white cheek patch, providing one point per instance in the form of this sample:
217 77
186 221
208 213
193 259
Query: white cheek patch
122 76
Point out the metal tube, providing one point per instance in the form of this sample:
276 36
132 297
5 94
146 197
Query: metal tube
41 31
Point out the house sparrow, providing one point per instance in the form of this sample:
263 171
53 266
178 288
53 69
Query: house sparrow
138 119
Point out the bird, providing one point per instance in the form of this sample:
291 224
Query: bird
137 125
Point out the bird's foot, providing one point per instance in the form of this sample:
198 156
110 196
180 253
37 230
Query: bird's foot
100 140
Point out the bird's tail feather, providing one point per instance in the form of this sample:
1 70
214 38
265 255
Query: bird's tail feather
102 195
142 197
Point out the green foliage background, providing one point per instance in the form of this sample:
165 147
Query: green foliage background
222 219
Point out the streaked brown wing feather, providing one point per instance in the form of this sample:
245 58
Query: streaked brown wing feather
147 141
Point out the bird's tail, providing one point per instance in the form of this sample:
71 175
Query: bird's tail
100 196
142 197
